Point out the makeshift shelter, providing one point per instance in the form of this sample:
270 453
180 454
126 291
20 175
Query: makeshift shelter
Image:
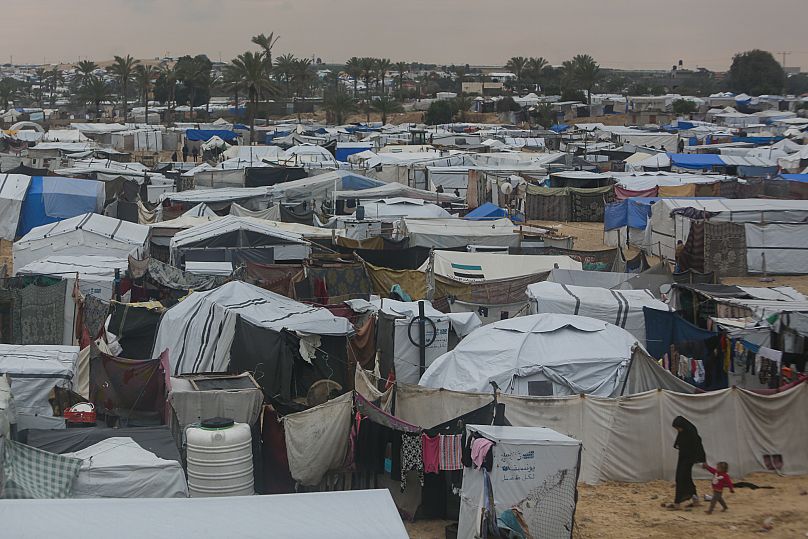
475 267
95 273
219 239
393 209
119 467
13 188
52 199
322 187
538 355
532 481
394 190
567 203
653 279
454 233
489 212
89 234
623 308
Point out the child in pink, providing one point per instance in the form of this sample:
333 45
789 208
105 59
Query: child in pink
721 480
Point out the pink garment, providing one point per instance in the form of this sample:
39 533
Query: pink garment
431 449
479 449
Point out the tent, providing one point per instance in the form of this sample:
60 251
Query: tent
231 232
204 135
198 332
13 188
534 474
538 355
83 235
475 267
623 308
652 279
35 370
454 233
51 199
397 208
96 273
488 212
322 186
394 189
119 467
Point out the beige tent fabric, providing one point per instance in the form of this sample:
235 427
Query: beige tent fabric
363 384
144 216
630 438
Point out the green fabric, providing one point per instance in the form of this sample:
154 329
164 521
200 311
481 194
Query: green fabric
34 473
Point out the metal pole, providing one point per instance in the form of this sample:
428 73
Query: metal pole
422 338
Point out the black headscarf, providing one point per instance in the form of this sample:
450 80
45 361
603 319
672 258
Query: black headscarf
688 441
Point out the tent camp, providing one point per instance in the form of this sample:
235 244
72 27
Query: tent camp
13 188
389 209
454 233
393 190
186 330
89 234
488 212
96 273
51 199
34 371
216 238
623 308
655 279
538 355
474 267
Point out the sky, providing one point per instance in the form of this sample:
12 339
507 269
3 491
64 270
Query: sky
625 34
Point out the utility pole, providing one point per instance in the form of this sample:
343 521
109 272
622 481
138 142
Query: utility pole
784 53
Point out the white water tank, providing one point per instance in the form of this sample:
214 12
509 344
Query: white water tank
219 459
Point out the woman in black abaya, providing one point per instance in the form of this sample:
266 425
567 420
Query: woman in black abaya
691 451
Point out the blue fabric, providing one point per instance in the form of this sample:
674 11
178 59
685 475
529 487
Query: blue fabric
663 328
795 177
681 124
206 134
639 212
615 215
356 182
271 136
696 160
490 211
49 200
756 172
341 154
758 140
558 128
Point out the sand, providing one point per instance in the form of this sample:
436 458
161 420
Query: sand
632 511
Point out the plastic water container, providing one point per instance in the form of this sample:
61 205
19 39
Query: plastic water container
219 454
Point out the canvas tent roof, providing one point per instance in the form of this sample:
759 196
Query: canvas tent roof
402 207
96 273
185 328
464 266
50 199
13 188
453 233
141 518
577 354
623 308
89 234
228 194
321 186
394 189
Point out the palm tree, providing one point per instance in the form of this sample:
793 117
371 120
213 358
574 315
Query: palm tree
517 65
232 82
40 78
54 78
463 104
144 80
383 65
252 69
285 67
95 90
567 77
302 75
266 43
123 69
587 72
338 104
84 70
353 67
386 105
169 74
401 67
368 65
8 90
535 66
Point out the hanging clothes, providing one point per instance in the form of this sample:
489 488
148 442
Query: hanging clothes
431 453
411 458
451 452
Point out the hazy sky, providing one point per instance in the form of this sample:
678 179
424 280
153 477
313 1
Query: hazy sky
618 33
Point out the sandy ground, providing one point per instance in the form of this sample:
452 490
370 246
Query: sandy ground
632 511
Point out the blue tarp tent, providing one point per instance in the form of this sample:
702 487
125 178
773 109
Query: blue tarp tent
664 328
345 149
795 177
558 128
52 199
696 160
633 212
357 182
490 211
615 215
205 135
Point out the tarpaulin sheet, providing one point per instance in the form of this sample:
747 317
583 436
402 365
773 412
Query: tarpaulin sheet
677 191
615 215
696 160
663 328
206 134
621 193
51 199
413 282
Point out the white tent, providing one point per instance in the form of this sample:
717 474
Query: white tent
453 233
285 245
96 273
34 371
388 209
394 189
623 308
200 210
185 329
13 188
533 469
89 234
545 354
473 267
120 468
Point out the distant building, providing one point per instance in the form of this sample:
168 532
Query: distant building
482 88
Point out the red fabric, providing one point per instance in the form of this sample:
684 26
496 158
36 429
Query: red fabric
431 453
721 480
622 194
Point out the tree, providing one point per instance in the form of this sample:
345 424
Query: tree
165 89
756 72
683 106
517 66
338 104
40 89
266 43
587 72
144 80
368 66
544 114
507 104
797 84
462 104
232 83
386 105
353 68
123 69
195 75
401 68
383 65
84 70
251 68
8 91
440 112
55 77
96 90
535 67
285 68
303 76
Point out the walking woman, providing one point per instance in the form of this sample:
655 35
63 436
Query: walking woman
691 451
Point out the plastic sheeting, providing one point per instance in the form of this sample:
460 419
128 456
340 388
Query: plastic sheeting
51 199
189 404
474 267
453 233
13 188
785 247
